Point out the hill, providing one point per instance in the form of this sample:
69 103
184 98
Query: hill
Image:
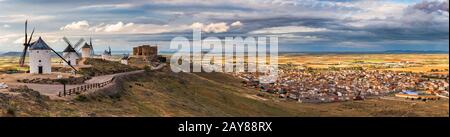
104 67
11 54
164 93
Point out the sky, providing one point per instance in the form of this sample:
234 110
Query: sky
301 25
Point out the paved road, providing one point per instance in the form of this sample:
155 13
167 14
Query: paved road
52 90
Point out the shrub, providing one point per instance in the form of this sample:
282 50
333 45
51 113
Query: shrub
81 98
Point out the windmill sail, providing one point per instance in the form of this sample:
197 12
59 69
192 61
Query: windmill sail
71 48
26 44
63 59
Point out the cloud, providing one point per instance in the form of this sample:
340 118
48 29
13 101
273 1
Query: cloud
106 6
80 25
118 27
20 18
3 39
212 27
236 24
83 27
287 29
319 22
432 6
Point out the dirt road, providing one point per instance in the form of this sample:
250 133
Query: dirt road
52 90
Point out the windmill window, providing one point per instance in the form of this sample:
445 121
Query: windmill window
37 51
40 61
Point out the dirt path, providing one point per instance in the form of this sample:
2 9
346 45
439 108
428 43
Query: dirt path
52 90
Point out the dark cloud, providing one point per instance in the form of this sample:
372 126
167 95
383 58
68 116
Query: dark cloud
426 21
432 6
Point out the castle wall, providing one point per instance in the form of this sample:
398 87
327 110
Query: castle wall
146 51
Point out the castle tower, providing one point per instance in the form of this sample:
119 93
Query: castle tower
40 58
107 54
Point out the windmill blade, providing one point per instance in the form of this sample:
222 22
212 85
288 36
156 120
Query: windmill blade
64 59
25 44
78 43
31 37
67 41
26 31
22 58
92 51
78 54
78 50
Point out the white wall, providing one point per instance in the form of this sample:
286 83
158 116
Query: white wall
40 58
72 57
106 57
85 52
124 61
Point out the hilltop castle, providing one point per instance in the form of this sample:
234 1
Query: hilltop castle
146 52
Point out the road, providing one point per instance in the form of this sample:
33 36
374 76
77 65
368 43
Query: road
52 90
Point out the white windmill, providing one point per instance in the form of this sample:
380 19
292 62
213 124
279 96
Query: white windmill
70 54
39 55
87 50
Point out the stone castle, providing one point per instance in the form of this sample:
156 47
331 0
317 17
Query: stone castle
146 52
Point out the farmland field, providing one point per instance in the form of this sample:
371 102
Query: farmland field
396 62
12 63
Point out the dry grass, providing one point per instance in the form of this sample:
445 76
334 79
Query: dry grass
420 62
216 94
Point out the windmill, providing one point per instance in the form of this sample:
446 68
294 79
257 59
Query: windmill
92 47
40 55
70 54
87 50
63 59
70 45
26 45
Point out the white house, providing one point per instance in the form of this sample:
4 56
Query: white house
124 60
40 58
71 56
86 50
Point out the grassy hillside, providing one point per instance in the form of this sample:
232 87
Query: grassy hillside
163 93
104 67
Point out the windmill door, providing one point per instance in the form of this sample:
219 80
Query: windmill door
40 69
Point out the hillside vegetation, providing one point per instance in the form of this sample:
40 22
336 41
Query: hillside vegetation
164 93
104 67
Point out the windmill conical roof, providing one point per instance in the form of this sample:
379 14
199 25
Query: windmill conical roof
39 45
86 45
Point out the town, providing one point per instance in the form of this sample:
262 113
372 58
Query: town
319 86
